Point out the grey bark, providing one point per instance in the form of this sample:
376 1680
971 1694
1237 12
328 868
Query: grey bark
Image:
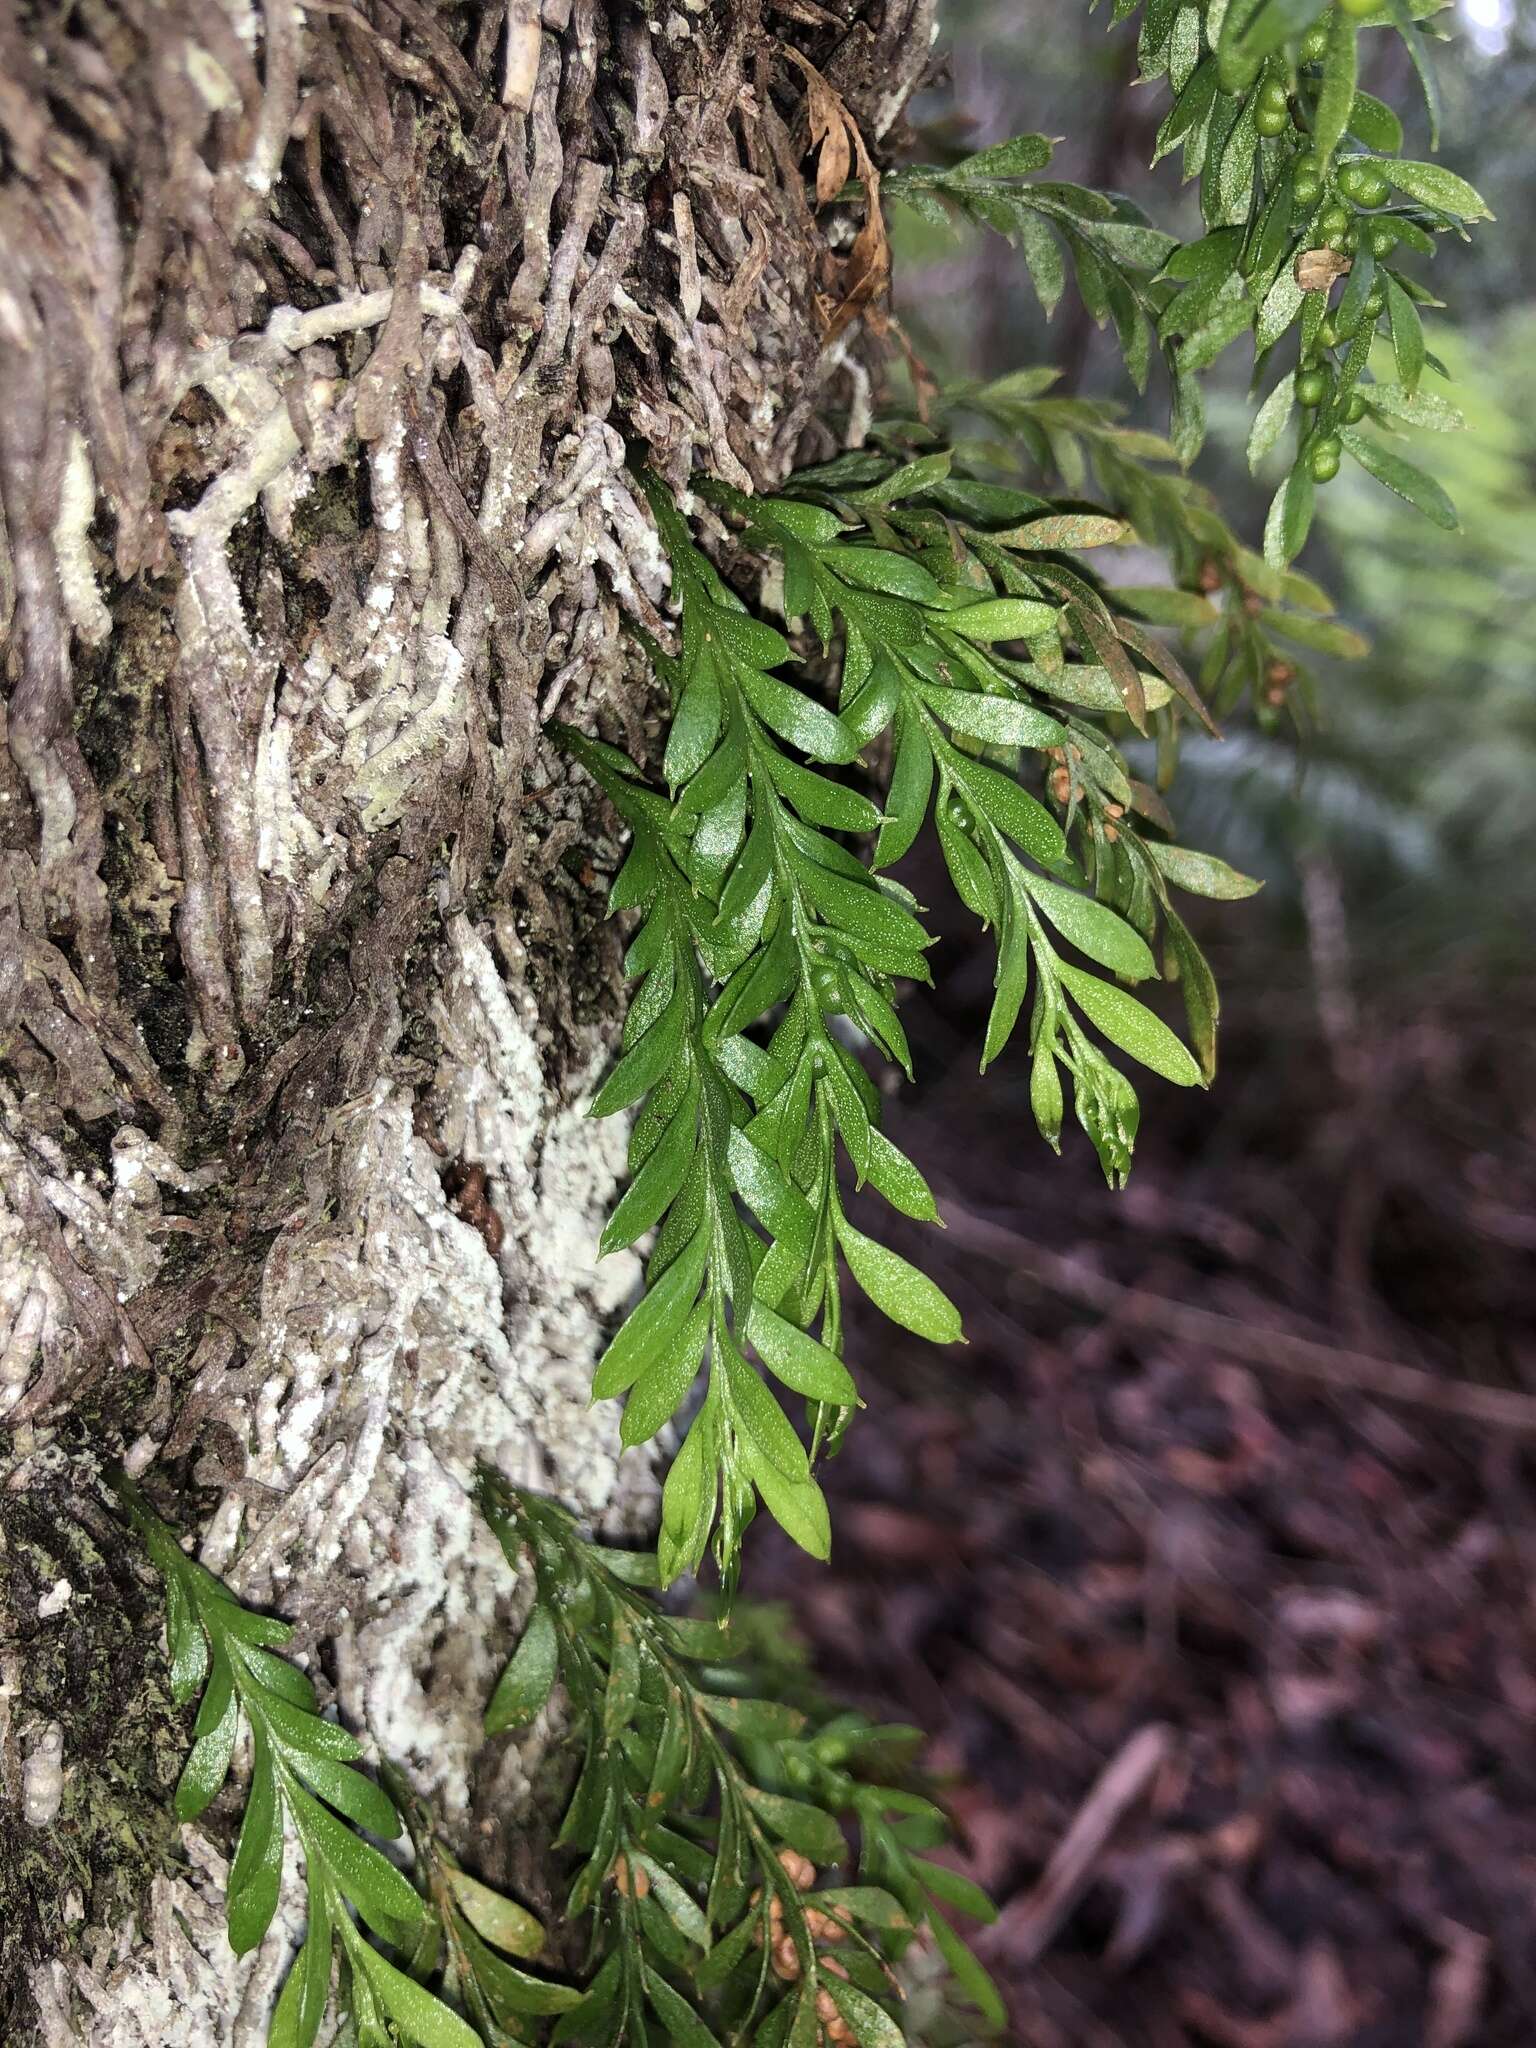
324 331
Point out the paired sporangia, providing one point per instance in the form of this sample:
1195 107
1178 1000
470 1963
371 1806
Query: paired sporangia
702 1825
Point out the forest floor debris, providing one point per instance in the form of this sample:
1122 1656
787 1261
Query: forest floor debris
1232 1671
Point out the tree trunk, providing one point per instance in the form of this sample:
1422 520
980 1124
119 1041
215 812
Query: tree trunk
324 333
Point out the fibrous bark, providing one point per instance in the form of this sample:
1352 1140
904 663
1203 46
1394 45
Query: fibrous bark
326 332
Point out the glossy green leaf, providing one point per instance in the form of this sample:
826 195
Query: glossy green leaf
653 1324
1001 720
677 2016
1003 618
872 2026
893 1175
499 1919
1201 873
1095 930
420 2017
529 1677
1271 421
816 731
661 1388
365 1877
1131 1026
1290 518
798 1506
802 1826
207 1765
897 1289
1433 185
968 1973
1401 476
306 1989
363 1802
763 1720
798 1360
955 1890
255 1876
764 1421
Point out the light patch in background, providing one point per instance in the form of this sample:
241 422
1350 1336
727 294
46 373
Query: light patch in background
1489 22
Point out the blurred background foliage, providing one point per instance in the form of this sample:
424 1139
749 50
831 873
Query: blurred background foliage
1230 1655
1413 783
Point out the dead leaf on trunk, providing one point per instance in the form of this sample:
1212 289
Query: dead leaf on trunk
859 279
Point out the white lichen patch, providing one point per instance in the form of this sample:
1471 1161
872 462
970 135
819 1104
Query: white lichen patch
117 1228
433 717
175 1983
35 1325
72 545
394 1353
42 1785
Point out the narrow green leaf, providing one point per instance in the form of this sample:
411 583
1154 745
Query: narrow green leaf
255 1876
1095 929
677 2016
501 1920
968 1973
513 1992
1201 873
869 1903
1013 810
763 1720
764 1421
898 1290
1376 124
1131 1026
622 1693
660 1390
1433 185
872 2026
362 1801
881 569
807 1828
1400 476
1001 720
1202 1000
529 1677
1290 517
1336 99
817 732
1407 334
185 1639
391 1906
420 2017
207 1764
1016 158
798 1360
1003 618
955 1890
653 1324
307 1988
893 1175
798 1506
1271 421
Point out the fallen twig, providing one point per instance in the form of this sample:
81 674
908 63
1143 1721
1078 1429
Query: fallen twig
1356 1371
